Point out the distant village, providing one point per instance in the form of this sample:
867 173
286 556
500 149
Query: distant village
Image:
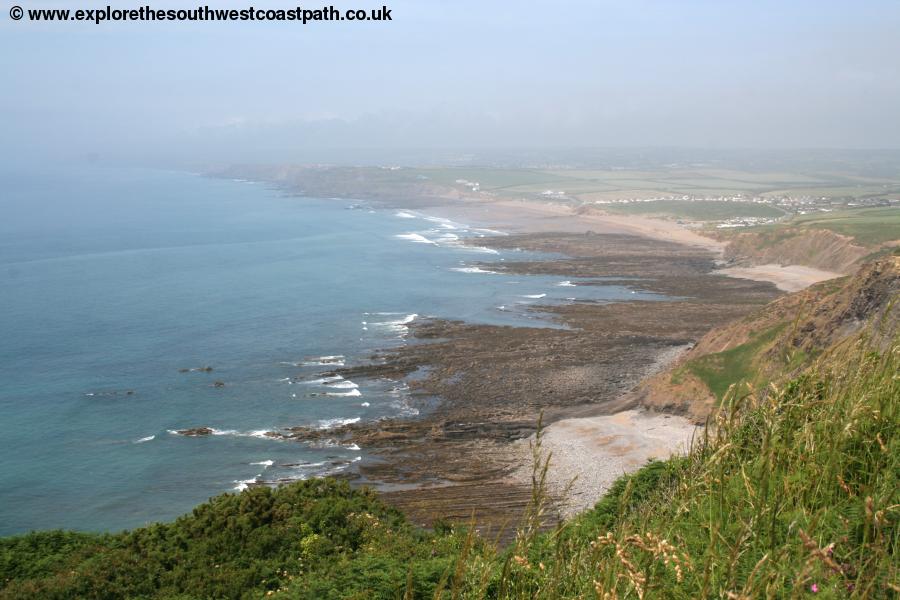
790 205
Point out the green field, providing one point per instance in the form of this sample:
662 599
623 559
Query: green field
698 210
869 226
676 181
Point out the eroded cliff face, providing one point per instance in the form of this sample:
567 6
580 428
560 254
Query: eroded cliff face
782 338
817 248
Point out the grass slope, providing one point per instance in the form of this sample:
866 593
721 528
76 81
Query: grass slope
721 370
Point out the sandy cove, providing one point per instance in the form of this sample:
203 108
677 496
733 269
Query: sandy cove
588 454
789 278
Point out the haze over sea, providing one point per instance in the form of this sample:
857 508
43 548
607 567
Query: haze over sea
112 281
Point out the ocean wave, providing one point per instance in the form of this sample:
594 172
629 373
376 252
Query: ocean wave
334 360
353 392
415 237
149 438
404 215
474 270
257 433
243 484
331 423
306 465
534 296
445 223
322 380
365 404
398 325
346 384
264 463
352 447
481 249
566 283
490 231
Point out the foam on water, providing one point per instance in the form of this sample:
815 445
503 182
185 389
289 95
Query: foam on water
397 325
346 384
474 270
331 423
350 393
323 380
415 237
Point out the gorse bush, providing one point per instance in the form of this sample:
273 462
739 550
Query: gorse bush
790 492
235 546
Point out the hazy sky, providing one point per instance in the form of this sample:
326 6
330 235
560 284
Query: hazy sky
443 73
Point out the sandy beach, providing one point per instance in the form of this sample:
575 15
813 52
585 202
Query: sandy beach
531 217
789 278
588 454
527 216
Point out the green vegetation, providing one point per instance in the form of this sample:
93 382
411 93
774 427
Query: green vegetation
794 491
587 184
720 370
336 541
868 226
791 492
699 210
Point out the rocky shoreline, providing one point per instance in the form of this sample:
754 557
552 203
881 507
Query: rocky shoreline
484 387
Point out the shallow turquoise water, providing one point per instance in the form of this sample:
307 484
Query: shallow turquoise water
113 280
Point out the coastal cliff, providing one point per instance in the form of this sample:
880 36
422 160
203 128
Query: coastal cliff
780 340
817 248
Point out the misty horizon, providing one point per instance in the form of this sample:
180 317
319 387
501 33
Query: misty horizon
439 76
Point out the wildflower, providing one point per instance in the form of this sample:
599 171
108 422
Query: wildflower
814 588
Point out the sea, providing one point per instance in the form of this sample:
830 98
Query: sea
120 286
